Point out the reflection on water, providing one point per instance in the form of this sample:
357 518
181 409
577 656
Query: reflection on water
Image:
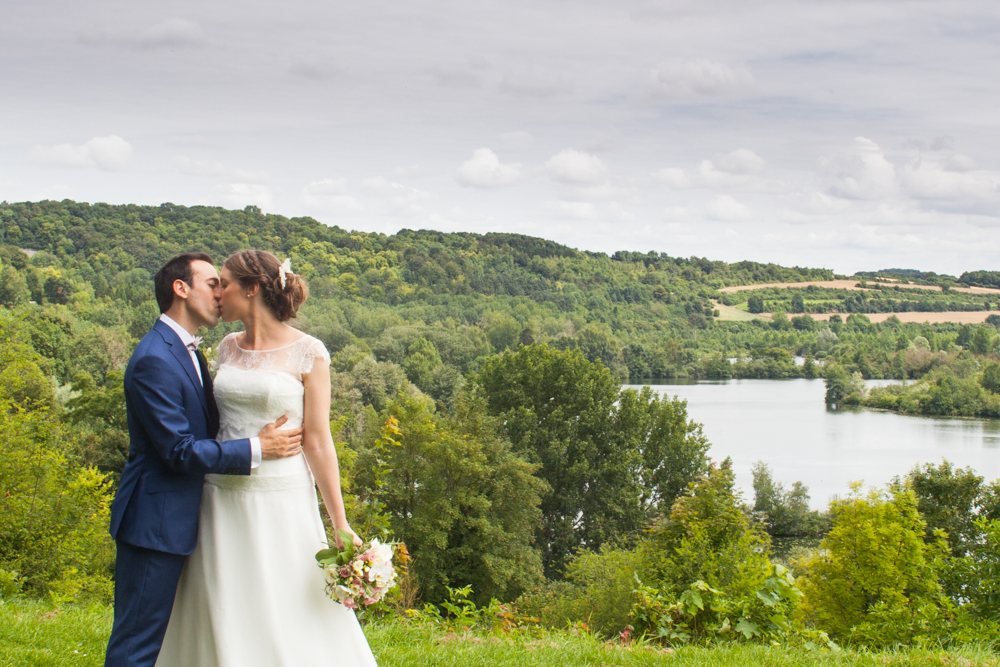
786 424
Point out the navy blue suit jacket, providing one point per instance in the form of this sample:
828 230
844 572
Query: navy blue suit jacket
172 425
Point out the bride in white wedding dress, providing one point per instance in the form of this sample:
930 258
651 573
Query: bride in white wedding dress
251 594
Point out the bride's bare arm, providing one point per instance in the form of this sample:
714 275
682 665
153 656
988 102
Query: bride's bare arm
317 443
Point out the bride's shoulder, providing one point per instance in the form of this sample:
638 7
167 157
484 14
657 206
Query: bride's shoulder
227 348
311 348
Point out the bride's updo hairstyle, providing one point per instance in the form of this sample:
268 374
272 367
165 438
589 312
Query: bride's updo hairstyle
259 267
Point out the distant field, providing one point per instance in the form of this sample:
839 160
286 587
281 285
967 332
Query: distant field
852 285
959 317
734 314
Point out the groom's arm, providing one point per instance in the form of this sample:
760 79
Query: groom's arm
155 393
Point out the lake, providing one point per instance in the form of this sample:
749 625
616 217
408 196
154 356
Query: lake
786 424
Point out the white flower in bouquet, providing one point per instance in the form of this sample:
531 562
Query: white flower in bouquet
341 593
357 577
381 574
382 552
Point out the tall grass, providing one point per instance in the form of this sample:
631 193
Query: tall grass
35 634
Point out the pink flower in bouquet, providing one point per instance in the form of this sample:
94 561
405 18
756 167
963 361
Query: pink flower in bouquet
350 603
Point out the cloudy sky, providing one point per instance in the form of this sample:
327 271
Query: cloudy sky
839 134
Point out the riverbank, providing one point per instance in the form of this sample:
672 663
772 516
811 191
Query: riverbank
40 635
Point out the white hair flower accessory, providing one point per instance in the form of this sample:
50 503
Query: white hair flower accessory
285 269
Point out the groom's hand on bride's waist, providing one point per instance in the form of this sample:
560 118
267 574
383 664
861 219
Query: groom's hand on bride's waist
278 444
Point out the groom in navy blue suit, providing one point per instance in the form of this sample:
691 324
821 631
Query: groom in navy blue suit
172 422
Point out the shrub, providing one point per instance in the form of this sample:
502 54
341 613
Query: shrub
709 536
53 532
704 615
874 555
598 592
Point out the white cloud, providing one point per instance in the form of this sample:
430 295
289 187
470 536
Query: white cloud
927 178
330 194
576 210
534 85
192 167
172 32
725 207
169 33
484 170
862 173
517 138
110 153
740 170
577 167
740 161
241 195
688 80
394 192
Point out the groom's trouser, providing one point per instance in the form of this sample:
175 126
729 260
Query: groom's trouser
145 584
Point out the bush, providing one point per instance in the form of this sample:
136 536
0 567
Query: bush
874 555
597 592
709 536
53 533
704 615
787 513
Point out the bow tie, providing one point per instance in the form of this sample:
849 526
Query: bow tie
193 345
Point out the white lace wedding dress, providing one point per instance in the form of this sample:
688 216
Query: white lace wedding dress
251 594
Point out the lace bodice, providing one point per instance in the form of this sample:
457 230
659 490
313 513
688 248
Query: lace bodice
294 359
255 387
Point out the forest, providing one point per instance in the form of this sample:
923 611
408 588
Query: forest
480 419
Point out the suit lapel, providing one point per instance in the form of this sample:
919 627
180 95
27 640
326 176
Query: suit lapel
180 352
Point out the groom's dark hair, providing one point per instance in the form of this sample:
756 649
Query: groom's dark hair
178 268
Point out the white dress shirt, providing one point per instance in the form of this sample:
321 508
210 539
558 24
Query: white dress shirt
188 339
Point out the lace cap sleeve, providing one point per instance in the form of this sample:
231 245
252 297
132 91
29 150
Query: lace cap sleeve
314 350
226 349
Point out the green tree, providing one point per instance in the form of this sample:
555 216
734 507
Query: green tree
798 304
947 499
465 505
874 557
22 380
58 289
981 339
787 512
991 377
708 536
673 450
841 385
99 411
755 304
556 408
975 577
422 359
503 331
13 288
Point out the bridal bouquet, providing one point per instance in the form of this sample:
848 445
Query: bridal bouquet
357 577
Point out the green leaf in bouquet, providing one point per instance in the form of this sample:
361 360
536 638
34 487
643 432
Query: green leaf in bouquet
348 541
327 556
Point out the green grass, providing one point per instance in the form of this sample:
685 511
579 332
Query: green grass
738 313
36 634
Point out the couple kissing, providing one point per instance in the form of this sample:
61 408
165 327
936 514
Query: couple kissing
216 519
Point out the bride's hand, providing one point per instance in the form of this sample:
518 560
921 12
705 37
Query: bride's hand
357 540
